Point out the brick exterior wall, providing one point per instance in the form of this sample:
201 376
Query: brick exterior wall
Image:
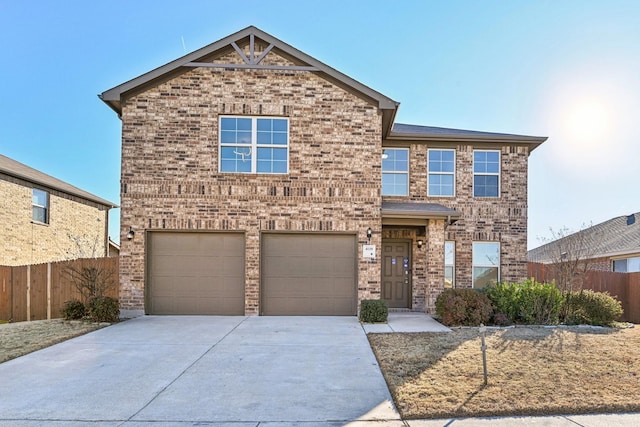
170 177
502 219
76 229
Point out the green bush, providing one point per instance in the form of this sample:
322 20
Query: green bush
374 311
103 309
74 310
528 302
591 308
463 307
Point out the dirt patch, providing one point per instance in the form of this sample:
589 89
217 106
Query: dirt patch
531 371
18 339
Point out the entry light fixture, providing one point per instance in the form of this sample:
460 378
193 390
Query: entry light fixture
420 243
369 233
131 233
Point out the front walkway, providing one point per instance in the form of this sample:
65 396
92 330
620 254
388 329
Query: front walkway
406 322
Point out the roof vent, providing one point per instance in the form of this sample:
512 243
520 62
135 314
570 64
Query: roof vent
631 219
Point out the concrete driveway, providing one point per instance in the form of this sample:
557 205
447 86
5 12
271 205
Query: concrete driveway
192 370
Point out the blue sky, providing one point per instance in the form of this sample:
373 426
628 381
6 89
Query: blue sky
569 70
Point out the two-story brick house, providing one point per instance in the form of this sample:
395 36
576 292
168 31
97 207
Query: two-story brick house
44 219
258 180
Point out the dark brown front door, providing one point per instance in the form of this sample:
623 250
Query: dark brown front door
396 273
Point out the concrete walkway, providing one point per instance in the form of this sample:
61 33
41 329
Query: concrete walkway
406 322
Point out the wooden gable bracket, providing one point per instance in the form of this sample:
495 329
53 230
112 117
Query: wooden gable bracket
252 61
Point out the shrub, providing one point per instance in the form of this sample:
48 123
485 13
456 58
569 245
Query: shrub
528 302
74 310
591 308
103 309
463 307
374 311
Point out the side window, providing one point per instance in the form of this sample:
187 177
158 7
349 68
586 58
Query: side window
254 145
441 166
486 173
486 263
449 264
395 172
40 206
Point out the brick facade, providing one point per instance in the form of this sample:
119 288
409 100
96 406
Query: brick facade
170 177
77 228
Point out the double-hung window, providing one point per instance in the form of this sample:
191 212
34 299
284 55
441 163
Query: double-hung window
449 264
254 145
40 206
441 165
486 173
395 172
486 263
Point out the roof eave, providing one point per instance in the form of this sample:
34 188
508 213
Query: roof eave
533 141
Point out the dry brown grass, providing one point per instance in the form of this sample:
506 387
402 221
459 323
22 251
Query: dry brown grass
532 371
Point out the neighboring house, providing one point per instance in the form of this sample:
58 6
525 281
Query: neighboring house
258 180
113 250
613 245
43 219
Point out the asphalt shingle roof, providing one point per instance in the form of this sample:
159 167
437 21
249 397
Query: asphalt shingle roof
617 236
18 170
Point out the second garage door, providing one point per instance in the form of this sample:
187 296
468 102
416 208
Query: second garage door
309 274
195 273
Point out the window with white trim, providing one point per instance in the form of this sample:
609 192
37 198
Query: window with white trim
486 263
449 264
486 173
627 265
395 172
40 206
441 166
254 145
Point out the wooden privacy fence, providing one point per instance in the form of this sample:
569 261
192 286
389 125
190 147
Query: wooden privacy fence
624 286
37 292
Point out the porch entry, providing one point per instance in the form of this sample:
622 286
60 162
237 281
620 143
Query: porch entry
396 273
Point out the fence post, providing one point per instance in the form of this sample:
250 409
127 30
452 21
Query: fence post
29 293
48 291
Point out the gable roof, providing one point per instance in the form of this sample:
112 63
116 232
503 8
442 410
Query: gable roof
114 96
430 133
21 171
615 237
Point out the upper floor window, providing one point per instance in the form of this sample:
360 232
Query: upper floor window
40 206
395 172
486 173
449 264
254 145
627 265
441 166
486 263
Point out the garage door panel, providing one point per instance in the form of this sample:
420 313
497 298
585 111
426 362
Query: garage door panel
308 274
195 273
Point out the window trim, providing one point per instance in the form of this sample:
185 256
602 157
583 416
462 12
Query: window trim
473 265
254 145
453 174
498 174
407 173
453 266
46 206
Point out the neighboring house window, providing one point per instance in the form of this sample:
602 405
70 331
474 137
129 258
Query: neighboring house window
486 263
486 173
40 206
254 145
449 264
395 172
627 265
441 166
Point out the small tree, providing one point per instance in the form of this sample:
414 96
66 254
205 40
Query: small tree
89 276
568 254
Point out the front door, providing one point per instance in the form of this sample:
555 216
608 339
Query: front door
396 273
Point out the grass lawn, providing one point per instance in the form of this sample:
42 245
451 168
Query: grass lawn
531 371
